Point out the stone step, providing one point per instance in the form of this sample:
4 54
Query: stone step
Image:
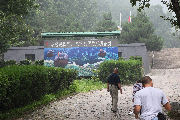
168 58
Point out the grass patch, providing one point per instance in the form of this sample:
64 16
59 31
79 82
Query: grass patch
83 85
86 85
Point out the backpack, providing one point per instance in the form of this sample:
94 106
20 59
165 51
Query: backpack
161 116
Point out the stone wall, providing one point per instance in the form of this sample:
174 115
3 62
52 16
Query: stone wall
126 50
136 49
18 53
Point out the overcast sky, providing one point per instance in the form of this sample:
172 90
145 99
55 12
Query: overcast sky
155 2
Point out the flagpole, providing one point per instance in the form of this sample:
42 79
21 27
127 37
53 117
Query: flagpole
120 20
130 16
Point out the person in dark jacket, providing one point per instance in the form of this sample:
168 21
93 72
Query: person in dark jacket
113 84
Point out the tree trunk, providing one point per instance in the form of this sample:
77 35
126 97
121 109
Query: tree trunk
176 9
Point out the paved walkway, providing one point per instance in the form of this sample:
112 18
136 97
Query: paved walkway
96 105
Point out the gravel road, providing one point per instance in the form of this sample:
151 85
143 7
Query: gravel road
96 105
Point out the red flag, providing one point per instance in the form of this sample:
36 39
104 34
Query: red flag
129 20
46 44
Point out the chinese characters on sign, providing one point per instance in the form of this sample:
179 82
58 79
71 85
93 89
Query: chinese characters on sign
78 43
83 55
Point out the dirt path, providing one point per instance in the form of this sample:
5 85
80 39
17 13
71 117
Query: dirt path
96 105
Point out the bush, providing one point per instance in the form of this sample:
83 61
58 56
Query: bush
25 62
10 62
129 71
60 78
136 58
4 85
27 83
82 85
2 63
20 85
6 63
39 62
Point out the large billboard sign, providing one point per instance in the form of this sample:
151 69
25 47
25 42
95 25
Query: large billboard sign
82 55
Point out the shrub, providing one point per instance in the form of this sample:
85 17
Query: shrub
6 63
136 58
4 85
39 62
10 62
25 62
2 63
20 85
121 58
60 78
27 83
129 71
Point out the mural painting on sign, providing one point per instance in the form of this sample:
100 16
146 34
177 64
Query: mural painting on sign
84 56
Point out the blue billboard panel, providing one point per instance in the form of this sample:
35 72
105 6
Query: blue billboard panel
83 59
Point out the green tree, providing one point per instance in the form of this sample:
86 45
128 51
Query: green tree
162 27
173 6
141 31
153 42
62 16
14 31
106 24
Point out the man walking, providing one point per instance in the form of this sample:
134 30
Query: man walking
113 84
149 101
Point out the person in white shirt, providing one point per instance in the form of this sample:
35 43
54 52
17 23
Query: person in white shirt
149 101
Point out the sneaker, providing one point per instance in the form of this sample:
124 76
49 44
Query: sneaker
114 111
130 113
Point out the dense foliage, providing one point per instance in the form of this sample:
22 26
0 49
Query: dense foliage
14 31
20 85
6 63
63 16
23 62
39 62
129 71
136 58
21 24
106 24
141 31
